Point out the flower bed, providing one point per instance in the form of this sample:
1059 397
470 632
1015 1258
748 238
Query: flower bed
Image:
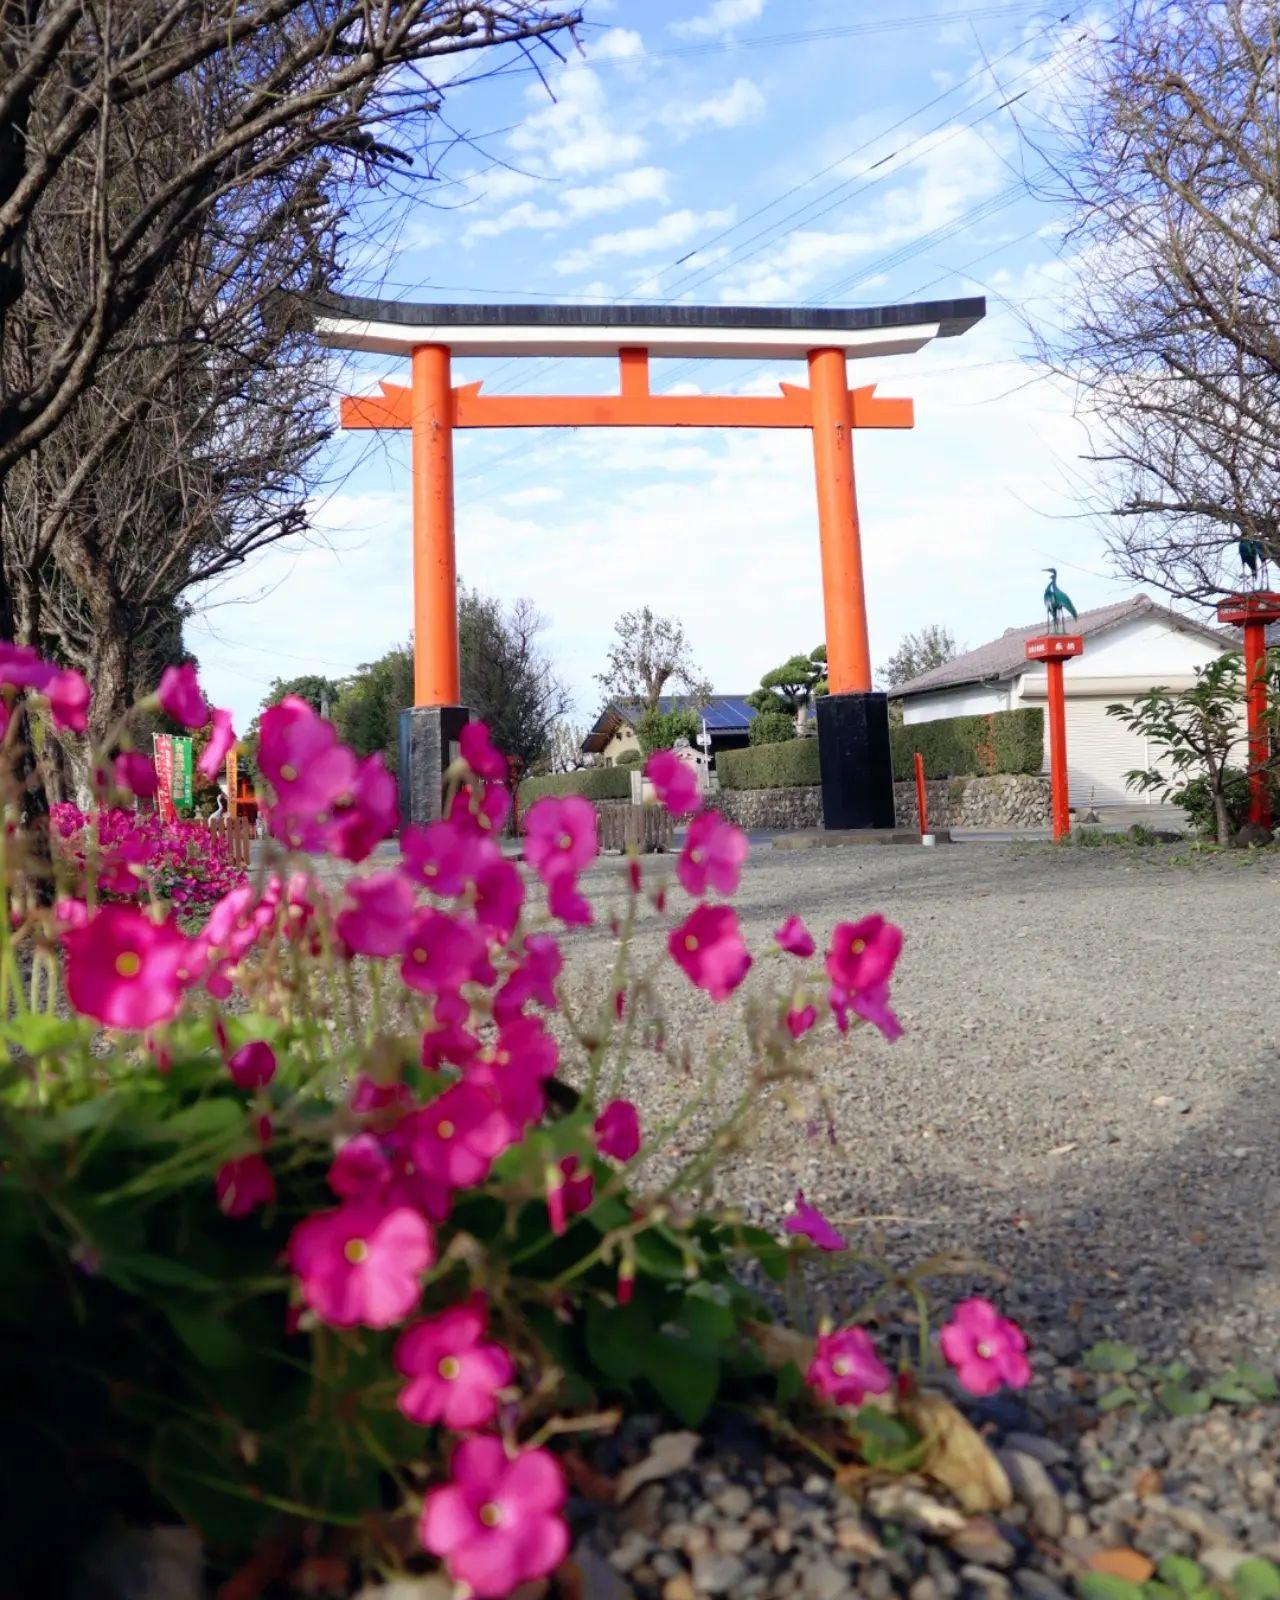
311 1245
129 852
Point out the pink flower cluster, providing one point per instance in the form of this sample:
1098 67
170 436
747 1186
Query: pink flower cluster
135 852
64 692
324 797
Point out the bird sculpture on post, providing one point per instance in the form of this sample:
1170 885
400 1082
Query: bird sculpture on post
1253 558
1056 602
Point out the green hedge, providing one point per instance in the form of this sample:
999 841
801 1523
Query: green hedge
595 783
769 766
953 747
968 747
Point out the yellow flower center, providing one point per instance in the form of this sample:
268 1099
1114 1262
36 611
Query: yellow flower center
355 1250
419 954
449 1368
289 773
695 856
690 942
484 821
445 1130
128 964
490 1514
858 946
983 1349
840 1366
430 870
566 841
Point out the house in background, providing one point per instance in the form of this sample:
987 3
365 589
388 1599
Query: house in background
1129 648
728 718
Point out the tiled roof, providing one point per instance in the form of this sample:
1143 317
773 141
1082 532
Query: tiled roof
724 713
1005 657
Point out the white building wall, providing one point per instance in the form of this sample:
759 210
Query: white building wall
970 699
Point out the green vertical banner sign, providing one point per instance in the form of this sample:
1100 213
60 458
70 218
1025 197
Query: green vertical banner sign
183 786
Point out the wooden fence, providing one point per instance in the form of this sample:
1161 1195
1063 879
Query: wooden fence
236 834
647 828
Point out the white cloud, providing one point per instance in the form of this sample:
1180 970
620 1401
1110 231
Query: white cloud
574 204
722 17
539 494
737 104
575 134
676 228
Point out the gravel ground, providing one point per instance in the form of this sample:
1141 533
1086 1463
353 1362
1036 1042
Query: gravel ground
1086 1094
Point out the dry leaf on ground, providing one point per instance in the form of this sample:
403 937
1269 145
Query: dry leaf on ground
669 1453
957 1456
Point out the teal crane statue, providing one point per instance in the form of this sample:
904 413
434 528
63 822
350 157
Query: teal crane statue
1253 558
1056 602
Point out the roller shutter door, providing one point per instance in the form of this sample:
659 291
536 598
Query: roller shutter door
1100 750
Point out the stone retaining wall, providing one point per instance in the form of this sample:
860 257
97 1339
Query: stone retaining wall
1003 801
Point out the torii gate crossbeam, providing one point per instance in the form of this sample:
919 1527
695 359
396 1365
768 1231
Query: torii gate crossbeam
853 726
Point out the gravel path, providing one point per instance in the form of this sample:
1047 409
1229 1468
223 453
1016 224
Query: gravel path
1086 1095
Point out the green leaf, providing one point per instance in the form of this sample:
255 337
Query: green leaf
1110 1355
705 1312
790 1384
204 1120
209 1337
1183 1573
1114 1398
886 1441
617 1337
1262 1384
1256 1579
1182 1401
38 1035
1102 1586
155 1269
685 1375
773 1256
1232 1391
658 1255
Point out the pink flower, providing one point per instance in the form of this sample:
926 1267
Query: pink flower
708 946
309 771
450 1040
221 739
367 813
125 970
444 856
499 896
570 1189
795 938
22 668
845 1367
133 771
69 913
986 1349
68 697
810 1223
370 1095
442 952
253 1065
566 904
872 1005
243 1185
369 1171
560 836
800 1019
456 1138
674 782
376 913
713 853
483 814
617 1130
863 954
454 1375
179 695
477 750
362 1263
497 1523
534 979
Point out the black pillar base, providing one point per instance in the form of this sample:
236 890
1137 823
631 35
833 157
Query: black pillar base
854 760
428 737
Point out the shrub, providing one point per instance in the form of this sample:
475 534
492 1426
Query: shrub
301 1219
972 746
629 758
772 727
770 766
592 783
1196 799
659 730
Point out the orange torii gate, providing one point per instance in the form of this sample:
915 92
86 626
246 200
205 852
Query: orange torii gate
853 720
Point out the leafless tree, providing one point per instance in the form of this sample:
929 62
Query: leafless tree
647 653
1170 156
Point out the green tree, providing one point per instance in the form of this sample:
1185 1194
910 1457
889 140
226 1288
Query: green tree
792 688
1195 733
771 727
659 730
367 710
919 652
647 653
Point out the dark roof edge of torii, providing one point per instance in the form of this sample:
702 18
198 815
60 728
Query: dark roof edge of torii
952 316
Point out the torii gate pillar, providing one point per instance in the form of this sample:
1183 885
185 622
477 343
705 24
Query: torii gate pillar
853 722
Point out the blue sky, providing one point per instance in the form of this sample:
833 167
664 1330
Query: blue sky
706 151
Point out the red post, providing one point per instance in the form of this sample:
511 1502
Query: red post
1058 752
922 799
844 599
1255 667
435 577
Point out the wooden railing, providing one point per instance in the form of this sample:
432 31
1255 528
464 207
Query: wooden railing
622 825
236 834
